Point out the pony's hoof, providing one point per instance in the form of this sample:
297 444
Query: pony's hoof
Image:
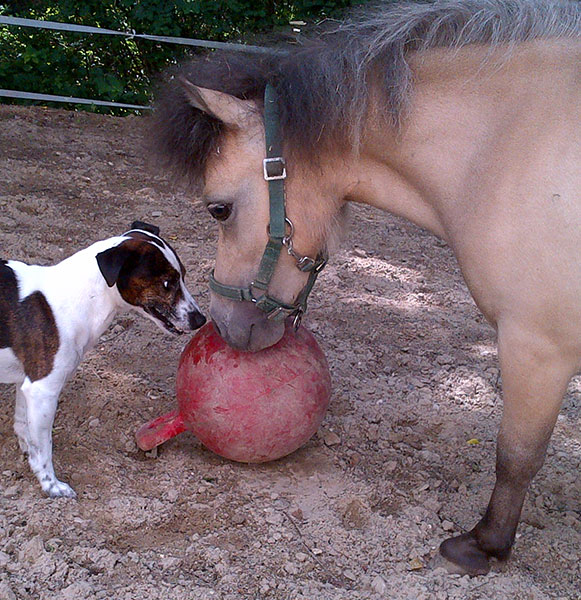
465 555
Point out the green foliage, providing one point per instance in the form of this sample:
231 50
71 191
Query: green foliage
119 69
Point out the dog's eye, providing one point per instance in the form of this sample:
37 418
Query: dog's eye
166 284
220 212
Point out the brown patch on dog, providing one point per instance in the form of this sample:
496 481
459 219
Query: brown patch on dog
27 327
138 235
8 300
144 270
139 269
36 337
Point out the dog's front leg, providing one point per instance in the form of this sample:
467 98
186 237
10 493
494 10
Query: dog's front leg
41 403
21 421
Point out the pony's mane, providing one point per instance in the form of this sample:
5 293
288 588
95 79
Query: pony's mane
323 83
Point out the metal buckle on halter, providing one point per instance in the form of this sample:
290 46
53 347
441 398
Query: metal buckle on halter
276 161
297 313
306 264
274 314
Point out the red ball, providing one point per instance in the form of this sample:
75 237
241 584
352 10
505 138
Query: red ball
248 407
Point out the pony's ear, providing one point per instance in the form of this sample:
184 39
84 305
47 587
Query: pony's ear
224 107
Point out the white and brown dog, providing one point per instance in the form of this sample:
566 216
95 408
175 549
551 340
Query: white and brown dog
51 316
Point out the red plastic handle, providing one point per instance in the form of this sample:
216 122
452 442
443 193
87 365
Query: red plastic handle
159 430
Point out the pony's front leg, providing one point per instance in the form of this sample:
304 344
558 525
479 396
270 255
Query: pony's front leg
535 377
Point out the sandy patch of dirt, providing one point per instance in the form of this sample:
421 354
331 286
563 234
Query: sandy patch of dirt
415 375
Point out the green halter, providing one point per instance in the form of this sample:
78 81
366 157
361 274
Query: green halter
280 232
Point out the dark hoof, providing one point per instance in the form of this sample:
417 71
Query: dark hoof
463 551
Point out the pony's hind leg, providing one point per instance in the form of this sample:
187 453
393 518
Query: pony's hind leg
535 377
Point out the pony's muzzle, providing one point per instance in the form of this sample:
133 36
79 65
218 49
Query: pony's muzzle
243 326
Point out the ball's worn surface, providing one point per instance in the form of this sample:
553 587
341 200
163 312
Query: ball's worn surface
243 406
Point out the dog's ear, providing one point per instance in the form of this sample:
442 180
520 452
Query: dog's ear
145 227
111 262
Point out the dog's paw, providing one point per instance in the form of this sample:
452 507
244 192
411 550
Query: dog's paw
59 489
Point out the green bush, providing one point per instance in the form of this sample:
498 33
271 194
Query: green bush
120 69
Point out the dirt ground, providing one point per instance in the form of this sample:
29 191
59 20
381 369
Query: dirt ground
359 512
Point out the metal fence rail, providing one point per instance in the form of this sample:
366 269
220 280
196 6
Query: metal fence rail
145 36
55 25
69 99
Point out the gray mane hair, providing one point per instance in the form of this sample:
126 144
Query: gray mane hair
324 84
385 37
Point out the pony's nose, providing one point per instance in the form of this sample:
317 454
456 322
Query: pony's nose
196 319
243 326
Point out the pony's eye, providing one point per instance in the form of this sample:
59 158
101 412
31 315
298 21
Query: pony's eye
166 284
220 211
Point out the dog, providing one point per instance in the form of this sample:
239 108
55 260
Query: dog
51 316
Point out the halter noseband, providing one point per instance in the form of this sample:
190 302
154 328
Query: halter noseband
280 233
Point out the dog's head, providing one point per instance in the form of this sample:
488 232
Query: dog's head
150 277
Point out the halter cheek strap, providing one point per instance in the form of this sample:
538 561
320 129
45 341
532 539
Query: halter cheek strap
280 233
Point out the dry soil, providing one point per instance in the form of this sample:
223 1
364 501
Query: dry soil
359 512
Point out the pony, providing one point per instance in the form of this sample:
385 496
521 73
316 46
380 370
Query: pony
463 116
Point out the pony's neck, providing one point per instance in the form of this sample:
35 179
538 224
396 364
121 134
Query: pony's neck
467 112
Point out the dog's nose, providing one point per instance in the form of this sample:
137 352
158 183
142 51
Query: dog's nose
196 319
